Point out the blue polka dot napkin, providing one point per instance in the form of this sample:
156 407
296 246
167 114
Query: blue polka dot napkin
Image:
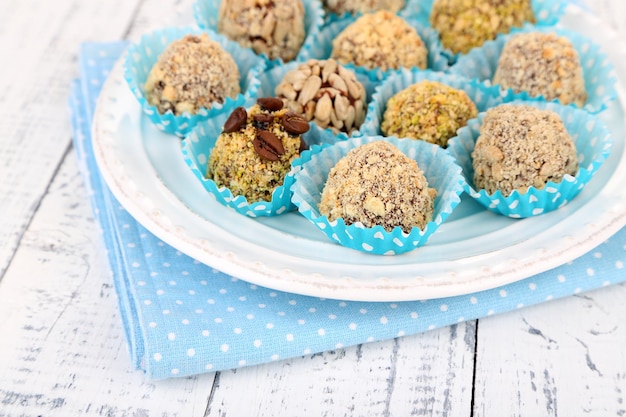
183 318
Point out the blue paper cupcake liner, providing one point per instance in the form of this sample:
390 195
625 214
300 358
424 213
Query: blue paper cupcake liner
311 170
196 149
206 14
547 13
324 45
143 55
483 95
598 71
593 145
273 76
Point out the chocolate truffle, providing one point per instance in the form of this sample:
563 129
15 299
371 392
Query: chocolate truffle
325 92
274 28
380 40
192 73
542 64
427 110
377 184
520 146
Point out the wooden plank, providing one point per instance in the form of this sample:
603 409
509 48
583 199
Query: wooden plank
62 349
40 40
428 374
612 12
394 386
562 358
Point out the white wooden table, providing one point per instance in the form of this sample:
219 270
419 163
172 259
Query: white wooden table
62 348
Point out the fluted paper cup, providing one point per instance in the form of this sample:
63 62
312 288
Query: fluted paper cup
593 143
547 13
196 149
143 55
311 170
324 45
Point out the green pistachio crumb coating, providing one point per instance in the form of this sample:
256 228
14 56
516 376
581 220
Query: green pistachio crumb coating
522 146
466 24
235 164
428 110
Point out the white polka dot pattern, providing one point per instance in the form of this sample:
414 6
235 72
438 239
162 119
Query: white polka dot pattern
183 318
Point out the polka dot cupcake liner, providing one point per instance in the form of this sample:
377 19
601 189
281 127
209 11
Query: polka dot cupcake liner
547 13
324 46
593 143
312 168
143 55
483 95
317 135
598 71
206 13
196 149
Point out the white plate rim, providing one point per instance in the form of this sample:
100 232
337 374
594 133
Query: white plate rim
360 278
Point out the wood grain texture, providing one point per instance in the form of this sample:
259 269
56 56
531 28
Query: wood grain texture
563 358
424 375
62 347
612 12
40 40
